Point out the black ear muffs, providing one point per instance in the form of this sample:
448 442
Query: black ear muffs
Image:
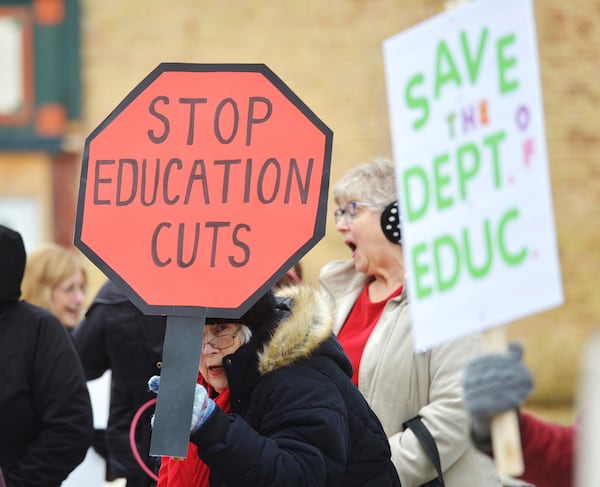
390 223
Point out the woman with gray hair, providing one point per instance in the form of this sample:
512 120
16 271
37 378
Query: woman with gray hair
373 325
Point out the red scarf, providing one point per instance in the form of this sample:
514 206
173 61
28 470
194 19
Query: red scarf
191 471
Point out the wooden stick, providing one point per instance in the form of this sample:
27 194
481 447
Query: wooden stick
588 432
506 438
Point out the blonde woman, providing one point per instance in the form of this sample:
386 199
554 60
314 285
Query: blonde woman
55 279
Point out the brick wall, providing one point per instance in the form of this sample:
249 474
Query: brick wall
329 53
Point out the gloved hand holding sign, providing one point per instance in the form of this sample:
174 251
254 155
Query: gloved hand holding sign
493 384
203 405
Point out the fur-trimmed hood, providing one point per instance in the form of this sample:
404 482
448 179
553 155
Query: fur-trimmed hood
295 414
307 323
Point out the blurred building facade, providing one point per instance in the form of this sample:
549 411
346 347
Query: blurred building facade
85 56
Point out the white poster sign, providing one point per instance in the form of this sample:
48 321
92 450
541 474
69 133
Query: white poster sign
468 136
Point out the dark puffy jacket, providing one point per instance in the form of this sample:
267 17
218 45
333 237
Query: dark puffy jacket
115 335
297 419
45 411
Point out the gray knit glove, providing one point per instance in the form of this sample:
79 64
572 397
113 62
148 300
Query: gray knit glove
495 383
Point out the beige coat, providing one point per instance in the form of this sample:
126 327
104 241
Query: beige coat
400 383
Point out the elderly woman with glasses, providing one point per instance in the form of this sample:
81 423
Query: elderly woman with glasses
220 340
374 327
275 405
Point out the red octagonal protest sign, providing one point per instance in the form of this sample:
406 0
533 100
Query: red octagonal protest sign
203 186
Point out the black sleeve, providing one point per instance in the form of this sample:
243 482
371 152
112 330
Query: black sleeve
303 438
63 409
90 341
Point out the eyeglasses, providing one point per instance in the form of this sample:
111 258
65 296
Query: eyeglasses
222 339
349 211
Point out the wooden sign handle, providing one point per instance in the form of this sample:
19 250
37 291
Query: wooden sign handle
587 470
506 438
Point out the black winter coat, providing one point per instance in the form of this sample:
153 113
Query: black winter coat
45 412
115 335
297 419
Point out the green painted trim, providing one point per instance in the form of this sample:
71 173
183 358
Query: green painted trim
57 74
72 53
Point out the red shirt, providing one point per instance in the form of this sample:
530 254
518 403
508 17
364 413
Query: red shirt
358 326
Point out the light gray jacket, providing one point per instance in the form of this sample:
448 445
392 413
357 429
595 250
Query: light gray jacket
399 383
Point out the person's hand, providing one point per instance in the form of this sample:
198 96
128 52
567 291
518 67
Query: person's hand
495 383
203 405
